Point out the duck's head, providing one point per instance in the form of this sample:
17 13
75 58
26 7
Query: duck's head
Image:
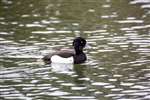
78 44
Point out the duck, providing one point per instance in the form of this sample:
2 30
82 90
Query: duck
74 56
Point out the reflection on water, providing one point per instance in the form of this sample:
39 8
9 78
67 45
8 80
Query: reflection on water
62 68
118 65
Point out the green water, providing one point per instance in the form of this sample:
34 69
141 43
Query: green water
118 65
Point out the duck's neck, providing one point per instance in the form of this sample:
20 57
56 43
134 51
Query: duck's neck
78 51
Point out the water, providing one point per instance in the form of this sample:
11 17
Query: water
118 66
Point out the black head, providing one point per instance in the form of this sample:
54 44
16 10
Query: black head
79 43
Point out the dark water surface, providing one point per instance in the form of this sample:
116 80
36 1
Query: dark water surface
118 66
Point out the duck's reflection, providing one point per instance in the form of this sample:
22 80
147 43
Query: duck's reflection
62 68
75 71
79 69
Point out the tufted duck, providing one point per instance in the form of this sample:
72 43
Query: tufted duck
75 56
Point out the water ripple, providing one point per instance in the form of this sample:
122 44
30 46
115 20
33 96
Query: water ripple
118 58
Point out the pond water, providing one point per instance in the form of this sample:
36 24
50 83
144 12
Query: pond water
118 65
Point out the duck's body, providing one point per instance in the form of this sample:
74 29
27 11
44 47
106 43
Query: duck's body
75 56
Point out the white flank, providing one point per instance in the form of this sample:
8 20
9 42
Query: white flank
58 59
